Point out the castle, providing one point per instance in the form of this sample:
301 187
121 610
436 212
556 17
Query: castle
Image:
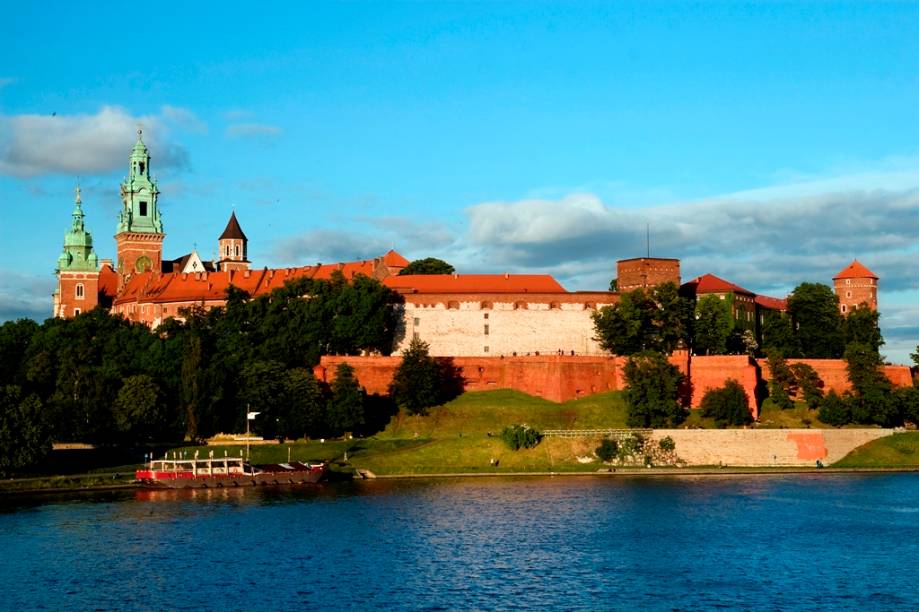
456 314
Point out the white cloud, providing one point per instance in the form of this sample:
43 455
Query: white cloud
25 296
32 145
253 130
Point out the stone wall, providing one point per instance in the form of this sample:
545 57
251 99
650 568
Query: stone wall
711 372
517 324
765 447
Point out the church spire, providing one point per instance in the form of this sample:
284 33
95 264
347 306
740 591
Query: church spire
140 228
78 251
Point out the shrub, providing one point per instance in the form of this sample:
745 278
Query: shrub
520 436
727 405
417 382
631 446
834 410
667 444
608 450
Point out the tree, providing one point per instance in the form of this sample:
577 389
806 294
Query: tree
834 410
658 319
815 311
428 265
871 399
346 408
862 326
520 436
915 356
264 390
653 387
306 405
140 412
712 326
25 437
781 382
728 405
418 381
779 334
809 383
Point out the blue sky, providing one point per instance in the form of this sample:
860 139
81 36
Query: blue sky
768 143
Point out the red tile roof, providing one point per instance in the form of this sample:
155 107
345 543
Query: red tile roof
474 283
856 270
709 283
394 259
108 281
771 303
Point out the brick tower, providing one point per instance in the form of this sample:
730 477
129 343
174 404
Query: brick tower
856 287
233 247
77 269
140 228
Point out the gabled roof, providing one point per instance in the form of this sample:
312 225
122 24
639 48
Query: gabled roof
233 231
474 283
394 259
856 270
709 283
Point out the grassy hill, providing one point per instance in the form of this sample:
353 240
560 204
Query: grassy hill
898 450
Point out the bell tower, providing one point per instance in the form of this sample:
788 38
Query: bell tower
77 269
140 229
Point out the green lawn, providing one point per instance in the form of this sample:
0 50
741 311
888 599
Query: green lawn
898 450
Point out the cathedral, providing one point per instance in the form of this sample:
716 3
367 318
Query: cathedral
456 314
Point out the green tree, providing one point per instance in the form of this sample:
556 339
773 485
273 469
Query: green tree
818 324
346 407
520 436
658 319
861 326
306 415
808 383
834 410
728 405
871 399
652 391
782 383
779 334
418 381
25 437
264 390
712 327
15 337
428 265
141 413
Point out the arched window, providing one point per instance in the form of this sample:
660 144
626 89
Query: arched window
79 291
226 250
237 250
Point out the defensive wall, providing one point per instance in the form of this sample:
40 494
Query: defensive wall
766 447
561 378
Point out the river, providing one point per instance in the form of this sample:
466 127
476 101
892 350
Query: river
594 543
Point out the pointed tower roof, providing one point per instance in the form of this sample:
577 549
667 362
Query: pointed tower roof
856 270
78 251
233 231
392 258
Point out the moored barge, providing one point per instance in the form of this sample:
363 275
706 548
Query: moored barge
225 472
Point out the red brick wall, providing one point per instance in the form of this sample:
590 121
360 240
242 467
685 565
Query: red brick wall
67 287
132 246
711 372
646 272
834 376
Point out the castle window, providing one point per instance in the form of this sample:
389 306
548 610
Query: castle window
416 321
486 330
226 250
141 166
76 311
485 315
848 294
237 250
143 209
486 349
79 291
843 307
848 281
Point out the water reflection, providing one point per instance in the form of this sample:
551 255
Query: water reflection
778 541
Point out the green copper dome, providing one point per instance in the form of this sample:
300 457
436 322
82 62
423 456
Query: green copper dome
78 254
139 195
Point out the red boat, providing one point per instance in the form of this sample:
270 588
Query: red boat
225 472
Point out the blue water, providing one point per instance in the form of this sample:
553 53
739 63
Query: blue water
593 543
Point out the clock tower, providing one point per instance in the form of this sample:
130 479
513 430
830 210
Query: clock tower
140 229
